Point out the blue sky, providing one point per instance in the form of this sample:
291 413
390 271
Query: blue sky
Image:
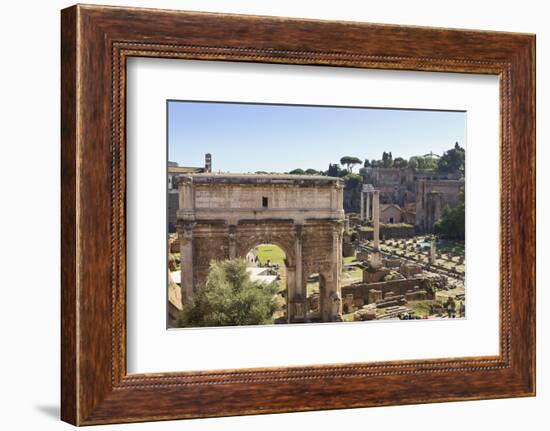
279 138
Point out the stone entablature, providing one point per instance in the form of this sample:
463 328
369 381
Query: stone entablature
260 197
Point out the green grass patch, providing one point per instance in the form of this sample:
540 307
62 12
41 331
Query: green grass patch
347 317
270 252
312 288
421 308
395 225
365 229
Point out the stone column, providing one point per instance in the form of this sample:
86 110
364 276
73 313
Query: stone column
186 199
337 240
185 234
362 213
335 299
368 216
290 291
298 229
432 251
232 241
376 219
299 296
340 196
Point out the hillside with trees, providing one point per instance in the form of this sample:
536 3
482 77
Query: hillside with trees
451 161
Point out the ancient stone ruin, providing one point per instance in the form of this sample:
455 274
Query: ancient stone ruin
223 216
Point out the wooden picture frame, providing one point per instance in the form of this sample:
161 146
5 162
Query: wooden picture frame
95 43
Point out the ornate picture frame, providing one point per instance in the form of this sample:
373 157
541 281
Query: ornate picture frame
96 41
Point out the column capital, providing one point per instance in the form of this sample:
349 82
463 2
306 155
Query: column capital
185 224
232 231
299 231
185 229
338 227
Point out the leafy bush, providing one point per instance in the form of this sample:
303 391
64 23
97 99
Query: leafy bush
229 297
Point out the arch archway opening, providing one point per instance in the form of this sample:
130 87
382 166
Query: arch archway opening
314 297
267 262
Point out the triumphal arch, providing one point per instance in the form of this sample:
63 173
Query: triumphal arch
224 216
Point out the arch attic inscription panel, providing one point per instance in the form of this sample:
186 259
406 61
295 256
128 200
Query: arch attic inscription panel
223 216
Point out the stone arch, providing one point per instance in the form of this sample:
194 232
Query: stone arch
225 216
288 272
244 245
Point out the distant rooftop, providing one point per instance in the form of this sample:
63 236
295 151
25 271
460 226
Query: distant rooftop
225 178
185 169
175 168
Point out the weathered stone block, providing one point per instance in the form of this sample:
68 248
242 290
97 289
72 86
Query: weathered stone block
374 296
409 270
366 313
370 276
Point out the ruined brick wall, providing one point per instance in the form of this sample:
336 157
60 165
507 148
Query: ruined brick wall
388 231
398 287
317 248
432 196
210 243
430 192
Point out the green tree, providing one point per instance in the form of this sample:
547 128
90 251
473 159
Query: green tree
429 163
352 191
297 171
452 221
453 160
311 171
352 181
420 162
387 159
367 163
376 163
229 298
350 161
334 170
400 162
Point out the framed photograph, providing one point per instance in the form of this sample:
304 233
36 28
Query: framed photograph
264 215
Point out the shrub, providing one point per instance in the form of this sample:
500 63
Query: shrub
229 297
